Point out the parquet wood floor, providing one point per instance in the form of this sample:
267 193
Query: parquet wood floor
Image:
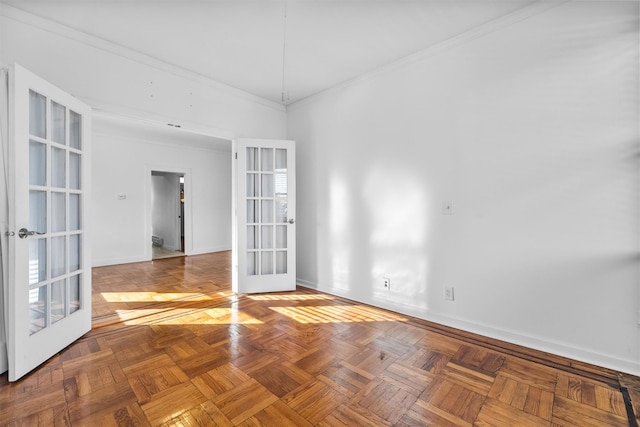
171 345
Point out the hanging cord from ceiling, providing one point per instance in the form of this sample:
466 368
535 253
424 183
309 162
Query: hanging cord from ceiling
285 93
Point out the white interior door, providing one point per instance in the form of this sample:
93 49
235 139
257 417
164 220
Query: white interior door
49 302
265 255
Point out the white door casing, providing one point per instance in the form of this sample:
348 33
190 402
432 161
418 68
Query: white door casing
264 243
49 288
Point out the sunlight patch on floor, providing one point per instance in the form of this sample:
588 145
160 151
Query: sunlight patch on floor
153 296
337 314
187 316
295 297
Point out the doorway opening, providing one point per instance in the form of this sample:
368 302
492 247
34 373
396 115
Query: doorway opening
167 214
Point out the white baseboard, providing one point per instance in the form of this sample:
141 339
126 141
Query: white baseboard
201 251
307 284
115 261
129 260
537 343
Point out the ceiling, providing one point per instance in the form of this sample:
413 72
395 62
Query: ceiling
135 128
250 45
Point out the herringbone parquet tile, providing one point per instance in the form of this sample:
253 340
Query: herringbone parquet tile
171 345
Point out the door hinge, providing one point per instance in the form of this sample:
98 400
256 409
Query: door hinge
236 156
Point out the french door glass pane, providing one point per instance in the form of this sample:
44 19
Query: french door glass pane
267 211
37 260
252 185
58 256
266 155
252 237
252 211
266 259
281 262
37 114
281 209
281 183
281 160
58 300
74 171
37 309
37 163
38 211
252 263
267 237
74 212
58 167
281 236
252 159
75 128
58 123
74 252
267 186
74 293
58 212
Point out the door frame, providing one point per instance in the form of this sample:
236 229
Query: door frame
234 213
148 207
4 211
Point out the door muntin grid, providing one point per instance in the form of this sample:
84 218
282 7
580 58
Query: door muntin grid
55 192
267 207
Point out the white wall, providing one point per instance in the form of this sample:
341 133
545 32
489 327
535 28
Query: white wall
122 165
531 130
165 208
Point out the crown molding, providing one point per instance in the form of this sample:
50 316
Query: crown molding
59 29
468 36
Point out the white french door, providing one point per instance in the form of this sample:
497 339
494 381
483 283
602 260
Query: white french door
265 256
49 301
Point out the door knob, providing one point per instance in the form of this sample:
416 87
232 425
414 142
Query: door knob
23 233
291 221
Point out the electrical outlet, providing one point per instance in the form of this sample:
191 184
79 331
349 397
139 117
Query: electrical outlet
386 282
448 294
